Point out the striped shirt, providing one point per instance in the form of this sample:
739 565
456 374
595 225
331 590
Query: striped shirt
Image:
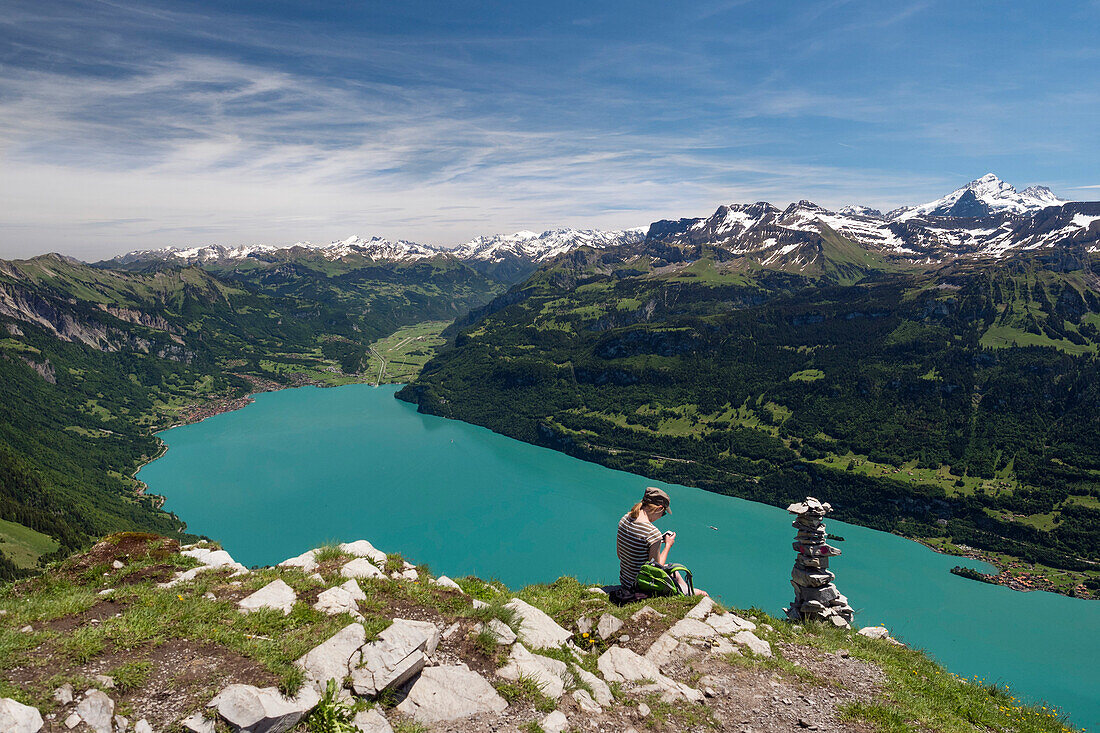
633 542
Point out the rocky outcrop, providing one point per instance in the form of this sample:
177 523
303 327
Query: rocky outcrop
254 710
549 674
16 717
97 711
332 659
361 567
619 664
210 560
341 599
400 652
450 693
536 629
425 667
276 595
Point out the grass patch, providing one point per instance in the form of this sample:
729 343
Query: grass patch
131 675
525 690
920 694
681 716
22 545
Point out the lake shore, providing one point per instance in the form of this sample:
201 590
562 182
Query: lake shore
302 467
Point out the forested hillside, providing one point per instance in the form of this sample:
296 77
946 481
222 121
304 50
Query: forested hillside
959 405
93 360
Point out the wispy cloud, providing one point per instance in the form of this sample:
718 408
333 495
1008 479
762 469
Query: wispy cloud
154 123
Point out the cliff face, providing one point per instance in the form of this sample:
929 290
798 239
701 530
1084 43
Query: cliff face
171 637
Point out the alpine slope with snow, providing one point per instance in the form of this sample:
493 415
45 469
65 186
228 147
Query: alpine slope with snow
541 247
981 197
986 218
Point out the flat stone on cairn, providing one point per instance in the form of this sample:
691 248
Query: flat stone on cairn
815 595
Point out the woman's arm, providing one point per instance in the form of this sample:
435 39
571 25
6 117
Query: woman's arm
659 553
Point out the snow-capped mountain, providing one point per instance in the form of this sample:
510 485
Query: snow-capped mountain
796 237
506 257
375 248
985 218
540 247
981 197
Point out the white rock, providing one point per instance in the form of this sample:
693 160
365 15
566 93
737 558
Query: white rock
755 644
744 623
701 609
874 632
118 565
106 592
371 721
276 595
549 674
608 625
599 688
214 559
536 629
408 574
265 710
690 628
727 623
643 710
361 567
64 694
307 561
598 591
142 726
721 645
97 711
450 693
15 717
667 649
210 596
646 613
400 652
28 629
121 724
338 600
362 548
499 630
444 582
450 630
317 578
210 559
105 680
586 703
198 723
478 603
332 659
72 721
584 625
555 722
619 664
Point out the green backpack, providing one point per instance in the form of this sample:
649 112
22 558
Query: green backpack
660 580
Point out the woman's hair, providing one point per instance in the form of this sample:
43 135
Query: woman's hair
640 506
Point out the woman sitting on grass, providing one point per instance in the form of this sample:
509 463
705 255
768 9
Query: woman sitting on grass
638 541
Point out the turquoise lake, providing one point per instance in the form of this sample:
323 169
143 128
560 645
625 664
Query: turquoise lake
304 466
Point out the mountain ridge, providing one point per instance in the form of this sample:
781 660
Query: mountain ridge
984 219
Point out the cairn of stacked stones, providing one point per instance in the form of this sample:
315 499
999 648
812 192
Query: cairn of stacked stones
815 595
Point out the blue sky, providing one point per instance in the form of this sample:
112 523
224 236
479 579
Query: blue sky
144 124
